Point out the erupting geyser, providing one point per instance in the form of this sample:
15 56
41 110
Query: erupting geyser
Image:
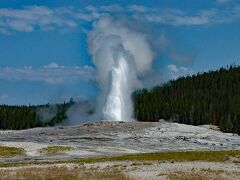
118 104
120 55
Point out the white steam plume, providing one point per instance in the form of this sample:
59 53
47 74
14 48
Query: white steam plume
120 56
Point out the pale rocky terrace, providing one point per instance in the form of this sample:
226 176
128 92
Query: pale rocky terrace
106 138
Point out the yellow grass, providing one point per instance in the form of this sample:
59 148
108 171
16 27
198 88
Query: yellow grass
6 152
202 175
53 150
208 156
62 173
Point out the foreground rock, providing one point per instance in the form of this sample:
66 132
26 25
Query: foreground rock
113 138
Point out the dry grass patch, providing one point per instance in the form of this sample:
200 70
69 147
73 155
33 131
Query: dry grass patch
54 150
208 156
62 173
202 175
7 152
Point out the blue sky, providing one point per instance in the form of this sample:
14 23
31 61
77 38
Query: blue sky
43 43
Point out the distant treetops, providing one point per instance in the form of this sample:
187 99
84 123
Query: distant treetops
205 98
24 117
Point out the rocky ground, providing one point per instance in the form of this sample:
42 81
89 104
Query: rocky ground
127 170
109 139
114 138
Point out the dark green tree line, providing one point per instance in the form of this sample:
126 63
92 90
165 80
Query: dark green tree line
23 117
209 97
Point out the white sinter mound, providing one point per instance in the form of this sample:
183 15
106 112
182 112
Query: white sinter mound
106 138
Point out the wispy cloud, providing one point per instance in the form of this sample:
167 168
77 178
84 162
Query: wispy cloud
30 18
51 74
173 68
203 17
140 9
175 71
112 8
87 16
53 65
159 76
169 16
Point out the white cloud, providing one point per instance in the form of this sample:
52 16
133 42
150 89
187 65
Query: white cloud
52 74
87 16
31 18
140 9
178 17
173 68
91 8
175 71
182 68
53 65
137 8
112 8
20 25
27 67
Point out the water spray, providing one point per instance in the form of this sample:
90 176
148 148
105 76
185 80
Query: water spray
120 56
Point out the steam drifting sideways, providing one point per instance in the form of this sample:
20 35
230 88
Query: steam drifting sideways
120 55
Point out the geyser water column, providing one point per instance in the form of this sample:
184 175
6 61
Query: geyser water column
118 105
120 56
